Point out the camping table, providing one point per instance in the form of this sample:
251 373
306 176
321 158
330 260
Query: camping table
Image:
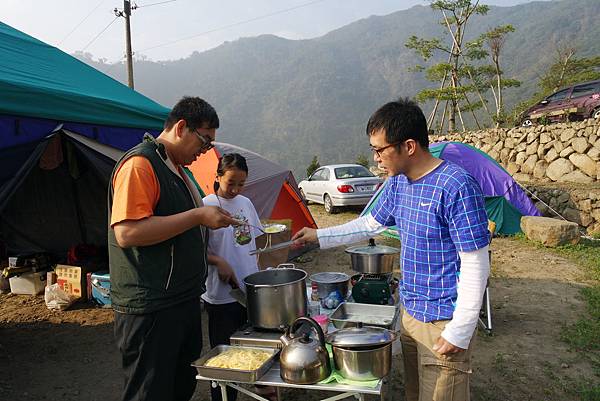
272 378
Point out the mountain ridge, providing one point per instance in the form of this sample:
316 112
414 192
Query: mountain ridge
292 99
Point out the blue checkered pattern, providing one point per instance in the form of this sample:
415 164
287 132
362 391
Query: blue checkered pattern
437 216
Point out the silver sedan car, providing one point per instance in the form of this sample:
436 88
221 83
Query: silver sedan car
339 185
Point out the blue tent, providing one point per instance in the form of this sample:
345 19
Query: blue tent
61 125
505 201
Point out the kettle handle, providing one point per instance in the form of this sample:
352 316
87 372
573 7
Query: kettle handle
292 329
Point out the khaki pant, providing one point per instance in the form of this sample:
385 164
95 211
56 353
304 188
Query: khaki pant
429 376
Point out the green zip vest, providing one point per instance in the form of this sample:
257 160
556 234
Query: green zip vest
145 279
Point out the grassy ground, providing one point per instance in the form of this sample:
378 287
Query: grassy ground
584 335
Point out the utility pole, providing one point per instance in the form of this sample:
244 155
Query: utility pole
126 13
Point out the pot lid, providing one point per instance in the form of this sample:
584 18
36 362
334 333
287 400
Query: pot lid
361 337
372 249
329 277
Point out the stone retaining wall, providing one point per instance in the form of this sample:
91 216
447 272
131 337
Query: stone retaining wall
581 206
559 163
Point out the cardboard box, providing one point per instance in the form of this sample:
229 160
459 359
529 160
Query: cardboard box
28 283
71 279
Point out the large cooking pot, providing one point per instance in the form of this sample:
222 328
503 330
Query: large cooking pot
275 297
372 259
362 353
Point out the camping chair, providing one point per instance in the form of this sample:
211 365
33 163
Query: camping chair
485 314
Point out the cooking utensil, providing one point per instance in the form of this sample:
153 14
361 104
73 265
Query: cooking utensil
361 336
367 364
304 360
239 296
267 228
363 352
236 375
352 314
272 248
275 297
372 258
327 282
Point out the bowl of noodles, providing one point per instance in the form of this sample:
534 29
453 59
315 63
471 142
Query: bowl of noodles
236 363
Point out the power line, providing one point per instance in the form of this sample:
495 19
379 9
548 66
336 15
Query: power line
100 33
234 24
81 22
154 4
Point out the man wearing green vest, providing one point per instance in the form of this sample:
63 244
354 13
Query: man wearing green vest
157 252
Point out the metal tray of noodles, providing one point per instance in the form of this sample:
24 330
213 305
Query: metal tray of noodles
236 375
350 314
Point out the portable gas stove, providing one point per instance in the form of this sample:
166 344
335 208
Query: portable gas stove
368 288
255 337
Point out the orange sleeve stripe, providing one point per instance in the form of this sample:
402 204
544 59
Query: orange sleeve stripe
136 191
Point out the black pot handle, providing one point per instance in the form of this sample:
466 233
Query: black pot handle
371 242
292 329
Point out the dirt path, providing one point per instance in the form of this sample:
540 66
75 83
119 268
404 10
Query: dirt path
71 355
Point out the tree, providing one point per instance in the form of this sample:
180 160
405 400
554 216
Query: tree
568 69
362 160
313 166
451 72
495 39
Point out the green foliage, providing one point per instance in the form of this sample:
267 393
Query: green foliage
362 160
589 393
313 166
585 333
569 70
425 47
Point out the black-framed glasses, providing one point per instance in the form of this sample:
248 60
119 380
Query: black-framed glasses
378 151
206 141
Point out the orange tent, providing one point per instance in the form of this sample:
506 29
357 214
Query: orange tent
271 188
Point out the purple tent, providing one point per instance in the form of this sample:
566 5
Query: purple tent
493 179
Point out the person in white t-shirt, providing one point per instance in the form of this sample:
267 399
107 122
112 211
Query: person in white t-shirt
228 255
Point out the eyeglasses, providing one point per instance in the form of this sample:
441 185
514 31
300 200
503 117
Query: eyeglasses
379 151
206 141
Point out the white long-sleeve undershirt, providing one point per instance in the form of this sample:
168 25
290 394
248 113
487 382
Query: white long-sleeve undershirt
474 272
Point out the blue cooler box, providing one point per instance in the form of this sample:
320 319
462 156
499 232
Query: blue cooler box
100 286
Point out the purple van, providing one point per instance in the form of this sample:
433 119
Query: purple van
577 102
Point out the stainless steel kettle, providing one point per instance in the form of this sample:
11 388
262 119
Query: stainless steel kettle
303 359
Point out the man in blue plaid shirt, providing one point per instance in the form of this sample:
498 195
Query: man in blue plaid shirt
439 211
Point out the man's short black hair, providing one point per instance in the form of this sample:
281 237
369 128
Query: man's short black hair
196 112
402 119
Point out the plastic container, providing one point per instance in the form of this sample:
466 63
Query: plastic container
323 321
314 308
28 283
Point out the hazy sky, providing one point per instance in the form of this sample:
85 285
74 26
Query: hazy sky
176 28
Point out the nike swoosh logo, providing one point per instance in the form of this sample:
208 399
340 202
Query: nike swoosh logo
425 204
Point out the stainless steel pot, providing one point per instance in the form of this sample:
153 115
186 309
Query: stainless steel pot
372 258
275 297
363 364
362 353
327 282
